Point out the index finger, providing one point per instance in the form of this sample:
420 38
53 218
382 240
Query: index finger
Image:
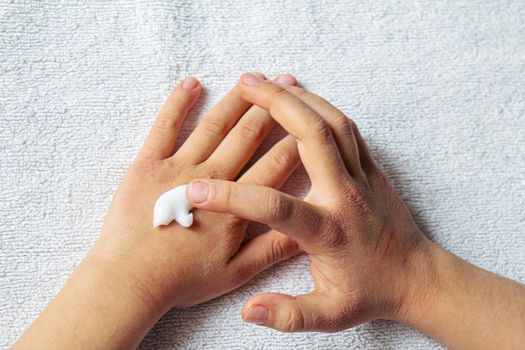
317 147
282 212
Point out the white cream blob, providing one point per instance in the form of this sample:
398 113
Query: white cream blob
173 205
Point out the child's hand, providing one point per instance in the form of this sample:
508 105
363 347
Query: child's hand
366 250
135 273
174 266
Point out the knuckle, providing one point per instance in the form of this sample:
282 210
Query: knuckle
333 234
353 125
277 251
143 167
346 131
354 198
212 171
228 106
355 128
227 196
215 126
175 162
282 156
321 131
342 122
231 222
250 132
279 98
159 170
293 322
278 209
166 124
280 93
298 91
332 239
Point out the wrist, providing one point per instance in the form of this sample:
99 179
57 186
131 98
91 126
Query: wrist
96 308
461 305
423 283
106 292
121 279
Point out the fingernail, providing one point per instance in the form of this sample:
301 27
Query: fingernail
251 79
198 192
189 83
286 79
257 315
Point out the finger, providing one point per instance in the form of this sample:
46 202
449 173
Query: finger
246 136
317 147
214 127
342 129
275 166
282 212
264 250
309 312
367 160
261 252
161 140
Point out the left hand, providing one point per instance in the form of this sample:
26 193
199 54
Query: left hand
135 273
177 267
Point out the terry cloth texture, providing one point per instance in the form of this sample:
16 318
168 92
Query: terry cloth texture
437 88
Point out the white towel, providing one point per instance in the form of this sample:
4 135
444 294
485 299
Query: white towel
437 88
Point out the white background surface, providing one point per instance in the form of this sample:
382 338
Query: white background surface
437 88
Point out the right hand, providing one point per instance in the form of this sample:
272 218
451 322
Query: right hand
369 260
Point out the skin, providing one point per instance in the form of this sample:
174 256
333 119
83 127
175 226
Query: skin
135 273
369 260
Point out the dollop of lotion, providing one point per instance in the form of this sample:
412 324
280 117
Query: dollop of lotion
173 205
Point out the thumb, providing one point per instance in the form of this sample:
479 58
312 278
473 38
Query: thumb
285 313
